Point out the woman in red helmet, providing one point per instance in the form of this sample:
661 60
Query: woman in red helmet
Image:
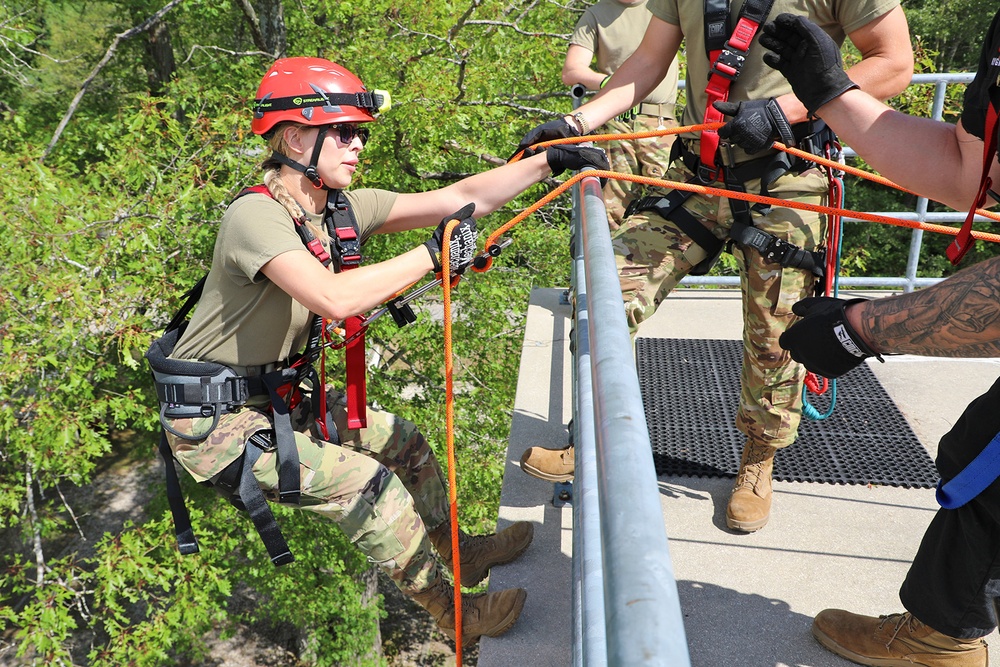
270 284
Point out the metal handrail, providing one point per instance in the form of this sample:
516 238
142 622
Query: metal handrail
625 600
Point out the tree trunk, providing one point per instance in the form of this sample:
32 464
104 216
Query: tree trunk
161 57
267 25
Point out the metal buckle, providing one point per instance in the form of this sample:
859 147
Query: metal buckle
732 62
776 250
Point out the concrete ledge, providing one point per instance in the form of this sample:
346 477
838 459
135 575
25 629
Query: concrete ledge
747 600
542 408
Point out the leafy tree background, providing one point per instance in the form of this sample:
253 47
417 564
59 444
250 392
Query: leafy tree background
109 202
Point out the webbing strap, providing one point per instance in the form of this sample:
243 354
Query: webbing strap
186 541
964 241
727 63
355 359
347 247
671 208
260 513
289 482
778 251
972 479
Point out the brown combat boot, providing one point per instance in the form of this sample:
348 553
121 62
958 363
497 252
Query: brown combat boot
552 465
490 614
481 552
750 503
898 640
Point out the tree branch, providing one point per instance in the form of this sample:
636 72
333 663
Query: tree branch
254 22
119 38
36 530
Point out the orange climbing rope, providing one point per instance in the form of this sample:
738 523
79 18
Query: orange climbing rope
492 245
722 192
449 420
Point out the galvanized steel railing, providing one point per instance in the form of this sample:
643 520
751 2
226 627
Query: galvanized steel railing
626 610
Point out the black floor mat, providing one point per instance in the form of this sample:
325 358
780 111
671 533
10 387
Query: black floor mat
690 389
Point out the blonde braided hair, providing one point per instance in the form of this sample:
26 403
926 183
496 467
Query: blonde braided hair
272 179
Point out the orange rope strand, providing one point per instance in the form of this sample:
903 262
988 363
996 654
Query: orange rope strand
721 192
449 419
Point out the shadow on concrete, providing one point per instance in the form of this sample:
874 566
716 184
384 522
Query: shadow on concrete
727 627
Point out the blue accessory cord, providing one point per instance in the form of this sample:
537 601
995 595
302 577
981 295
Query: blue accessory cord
807 408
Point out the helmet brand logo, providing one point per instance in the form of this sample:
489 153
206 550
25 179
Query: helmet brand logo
297 101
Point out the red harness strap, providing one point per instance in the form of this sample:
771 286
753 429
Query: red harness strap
964 241
354 353
727 63
347 248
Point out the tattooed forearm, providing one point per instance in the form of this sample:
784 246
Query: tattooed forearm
959 317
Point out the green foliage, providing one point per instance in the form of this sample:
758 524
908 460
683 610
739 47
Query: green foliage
950 30
102 236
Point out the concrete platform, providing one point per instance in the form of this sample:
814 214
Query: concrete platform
747 600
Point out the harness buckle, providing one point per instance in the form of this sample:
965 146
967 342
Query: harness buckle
777 250
729 64
708 174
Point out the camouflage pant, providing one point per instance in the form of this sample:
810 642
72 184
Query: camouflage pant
382 485
653 255
642 157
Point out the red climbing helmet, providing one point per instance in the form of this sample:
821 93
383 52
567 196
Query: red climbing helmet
313 91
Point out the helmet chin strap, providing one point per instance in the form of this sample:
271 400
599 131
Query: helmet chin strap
311 171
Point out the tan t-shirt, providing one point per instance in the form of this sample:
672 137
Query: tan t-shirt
242 318
838 18
613 31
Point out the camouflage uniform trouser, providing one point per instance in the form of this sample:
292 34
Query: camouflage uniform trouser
641 157
382 485
653 255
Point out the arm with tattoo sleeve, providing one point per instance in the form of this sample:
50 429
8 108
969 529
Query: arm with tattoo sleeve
958 317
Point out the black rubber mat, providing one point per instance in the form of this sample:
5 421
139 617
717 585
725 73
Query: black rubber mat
690 389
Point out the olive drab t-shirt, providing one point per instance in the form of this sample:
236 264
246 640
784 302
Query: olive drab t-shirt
838 18
613 31
242 318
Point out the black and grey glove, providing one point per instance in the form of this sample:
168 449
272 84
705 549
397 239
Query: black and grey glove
807 57
461 245
755 125
553 129
824 341
573 157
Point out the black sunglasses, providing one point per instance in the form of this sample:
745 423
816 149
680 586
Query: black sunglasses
347 132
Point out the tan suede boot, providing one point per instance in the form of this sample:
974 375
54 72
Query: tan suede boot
898 640
481 552
750 503
490 614
552 465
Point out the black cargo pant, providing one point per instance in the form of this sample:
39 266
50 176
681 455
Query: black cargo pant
954 582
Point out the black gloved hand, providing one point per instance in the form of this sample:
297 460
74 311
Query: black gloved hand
807 57
824 341
755 124
461 245
574 157
553 129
